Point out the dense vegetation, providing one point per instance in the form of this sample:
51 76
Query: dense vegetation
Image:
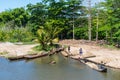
52 19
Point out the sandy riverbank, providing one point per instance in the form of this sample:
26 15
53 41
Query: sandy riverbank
108 56
15 50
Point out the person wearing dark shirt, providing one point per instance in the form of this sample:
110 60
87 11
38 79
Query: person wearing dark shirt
80 51
69 49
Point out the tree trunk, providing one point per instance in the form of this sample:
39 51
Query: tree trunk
89 20
73 29
97 26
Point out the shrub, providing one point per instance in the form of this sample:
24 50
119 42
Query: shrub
16 34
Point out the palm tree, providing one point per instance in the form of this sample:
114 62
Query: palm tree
52 31
42 37
47 34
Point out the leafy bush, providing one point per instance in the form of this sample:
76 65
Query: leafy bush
81 33
16 34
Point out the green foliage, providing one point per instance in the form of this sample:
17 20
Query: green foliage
18 16
46 34
37 15
81 33
15 35
40 48
111 24
61 12
55 18
47 48
52 28
43 38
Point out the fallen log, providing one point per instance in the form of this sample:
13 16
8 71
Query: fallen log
97 63
29 56
15 57
90 56
57 50
33 56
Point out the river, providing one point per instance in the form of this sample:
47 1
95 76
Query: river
40 69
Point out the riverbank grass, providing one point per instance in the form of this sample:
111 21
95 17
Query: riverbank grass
46 47
3 53
109 47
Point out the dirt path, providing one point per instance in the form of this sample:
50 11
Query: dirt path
109 56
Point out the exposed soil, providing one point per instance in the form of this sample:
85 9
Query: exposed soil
109 56
15 50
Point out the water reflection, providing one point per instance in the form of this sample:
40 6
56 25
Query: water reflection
113 74
40 69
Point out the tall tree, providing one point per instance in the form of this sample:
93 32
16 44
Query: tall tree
89 19
37 15
68 11
113 9
21 16
18 17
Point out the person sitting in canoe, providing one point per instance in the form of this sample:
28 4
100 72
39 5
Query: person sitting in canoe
101 67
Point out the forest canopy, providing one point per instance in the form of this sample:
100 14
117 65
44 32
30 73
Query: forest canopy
69 17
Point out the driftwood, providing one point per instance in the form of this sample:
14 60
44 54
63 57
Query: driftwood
84 60
96 63
15 57
33 56
64 53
